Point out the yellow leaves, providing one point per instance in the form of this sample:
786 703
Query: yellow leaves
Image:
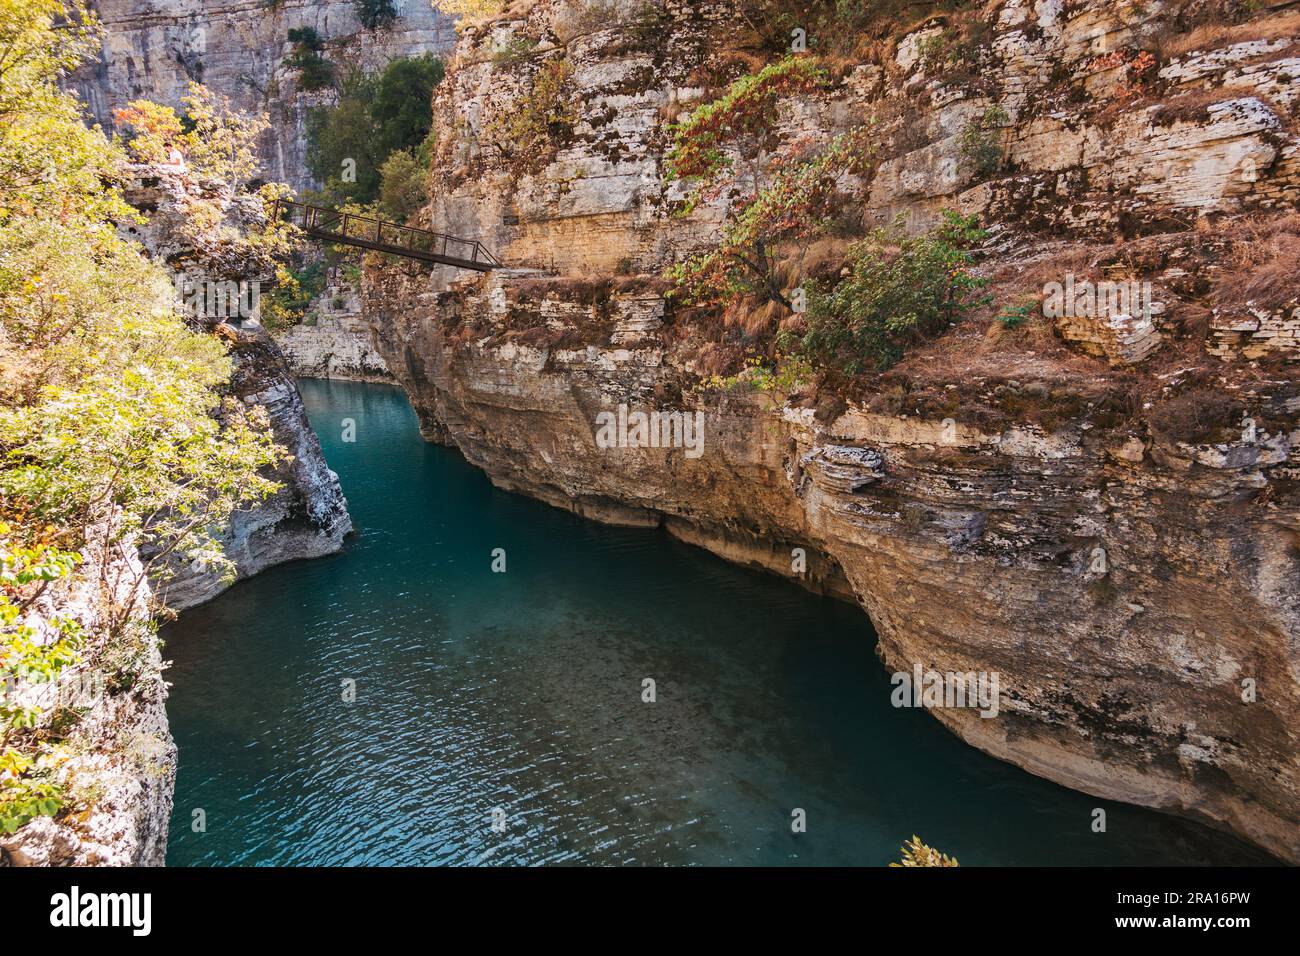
915 853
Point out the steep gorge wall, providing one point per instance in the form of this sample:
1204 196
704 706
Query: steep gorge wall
153 48
333 341
121 769
966 526
307 517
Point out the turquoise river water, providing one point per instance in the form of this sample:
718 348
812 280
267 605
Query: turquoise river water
498 717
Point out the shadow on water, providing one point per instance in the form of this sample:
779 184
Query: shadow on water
482 696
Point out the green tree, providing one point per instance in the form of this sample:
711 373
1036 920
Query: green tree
314 71
376 115
403 190
403 105
112 433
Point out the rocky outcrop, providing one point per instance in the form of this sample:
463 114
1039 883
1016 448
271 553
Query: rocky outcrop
307 517
153 48
996 503
118 782
333 340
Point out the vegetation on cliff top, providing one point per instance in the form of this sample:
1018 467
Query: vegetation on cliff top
107 399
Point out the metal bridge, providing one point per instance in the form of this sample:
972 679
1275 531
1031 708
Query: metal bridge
365 232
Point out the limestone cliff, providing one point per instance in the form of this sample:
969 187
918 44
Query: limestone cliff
119 781
308 516
153 48
1030 502
333 340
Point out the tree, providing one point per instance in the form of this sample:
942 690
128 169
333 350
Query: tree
314 71
403 190
218 141
760 254
376 115
403 105
111 430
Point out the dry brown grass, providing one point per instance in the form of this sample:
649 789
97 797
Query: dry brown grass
1263 263
1213 36
1194 106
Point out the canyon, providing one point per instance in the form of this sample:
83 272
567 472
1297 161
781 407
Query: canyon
153 49
1026 502
964 499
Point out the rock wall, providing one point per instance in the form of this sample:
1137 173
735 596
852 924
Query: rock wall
153 48
308 516
333 341
119 783
997 503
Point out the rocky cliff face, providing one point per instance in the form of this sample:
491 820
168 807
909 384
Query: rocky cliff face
334 339
308 516
1032 503
153 48
121 779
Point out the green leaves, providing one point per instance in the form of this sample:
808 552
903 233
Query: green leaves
112 433
375 116
899 291
742 118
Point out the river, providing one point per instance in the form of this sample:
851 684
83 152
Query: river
404 703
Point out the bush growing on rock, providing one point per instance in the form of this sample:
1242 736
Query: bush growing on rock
781 196
217 141
314 71
530 130
899 291
375 14
468 12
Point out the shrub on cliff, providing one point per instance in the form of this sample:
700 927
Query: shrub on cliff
375 14
899 291
528 132
780 196
468 12
740 125
314 71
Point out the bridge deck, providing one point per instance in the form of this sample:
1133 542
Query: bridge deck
365 232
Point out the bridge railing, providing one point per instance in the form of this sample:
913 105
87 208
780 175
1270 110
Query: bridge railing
369 231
